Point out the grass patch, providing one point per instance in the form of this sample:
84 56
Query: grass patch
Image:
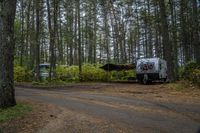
176 86
181 85
13 112
50 84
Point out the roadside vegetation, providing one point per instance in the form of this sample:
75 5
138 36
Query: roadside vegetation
189 75
19 110
70 74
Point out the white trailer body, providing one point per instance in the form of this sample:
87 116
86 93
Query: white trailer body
150 69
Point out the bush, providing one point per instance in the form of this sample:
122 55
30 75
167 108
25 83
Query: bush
93 73
65 74
122 75
90 73
191 72
188 69
195 78
21 74
69 73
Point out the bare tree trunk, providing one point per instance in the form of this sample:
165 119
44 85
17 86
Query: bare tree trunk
70 42
184 31
32 37
75 39
138 33
79 42
167 46
37 38
150 45
22 33
174 37
7 44
60 38
28 34
196 40
95 32
52 41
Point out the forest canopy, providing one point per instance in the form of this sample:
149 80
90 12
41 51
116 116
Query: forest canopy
113 31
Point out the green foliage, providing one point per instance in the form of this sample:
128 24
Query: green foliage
90 73
93 73
122 75
13 112
67 73
191 72
195 78
21 74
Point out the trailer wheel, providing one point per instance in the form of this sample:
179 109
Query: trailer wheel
145 79
165 80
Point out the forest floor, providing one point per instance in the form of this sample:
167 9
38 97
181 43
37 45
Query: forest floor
108 107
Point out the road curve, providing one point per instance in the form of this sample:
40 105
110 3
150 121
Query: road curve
128 113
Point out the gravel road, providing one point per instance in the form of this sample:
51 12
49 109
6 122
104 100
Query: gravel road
89 108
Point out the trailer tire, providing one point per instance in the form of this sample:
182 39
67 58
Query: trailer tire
145 79
165 80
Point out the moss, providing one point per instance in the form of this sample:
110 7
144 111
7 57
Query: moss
13 112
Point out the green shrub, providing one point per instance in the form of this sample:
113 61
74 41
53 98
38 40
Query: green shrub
188 69
21 74
69 73
122 75
93 73
191 72
90 73
195 78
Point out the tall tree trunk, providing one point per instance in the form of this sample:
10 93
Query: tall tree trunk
60 38
167 46
174 37
196 40
32 38
22 33
52 40
138 31
55 35
106 34
7 44
149 25
95 32
184 31
70 19
37 38
28 35
79 42
75 38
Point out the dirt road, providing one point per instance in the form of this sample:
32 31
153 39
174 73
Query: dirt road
112 108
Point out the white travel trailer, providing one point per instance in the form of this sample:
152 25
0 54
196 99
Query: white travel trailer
151 69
